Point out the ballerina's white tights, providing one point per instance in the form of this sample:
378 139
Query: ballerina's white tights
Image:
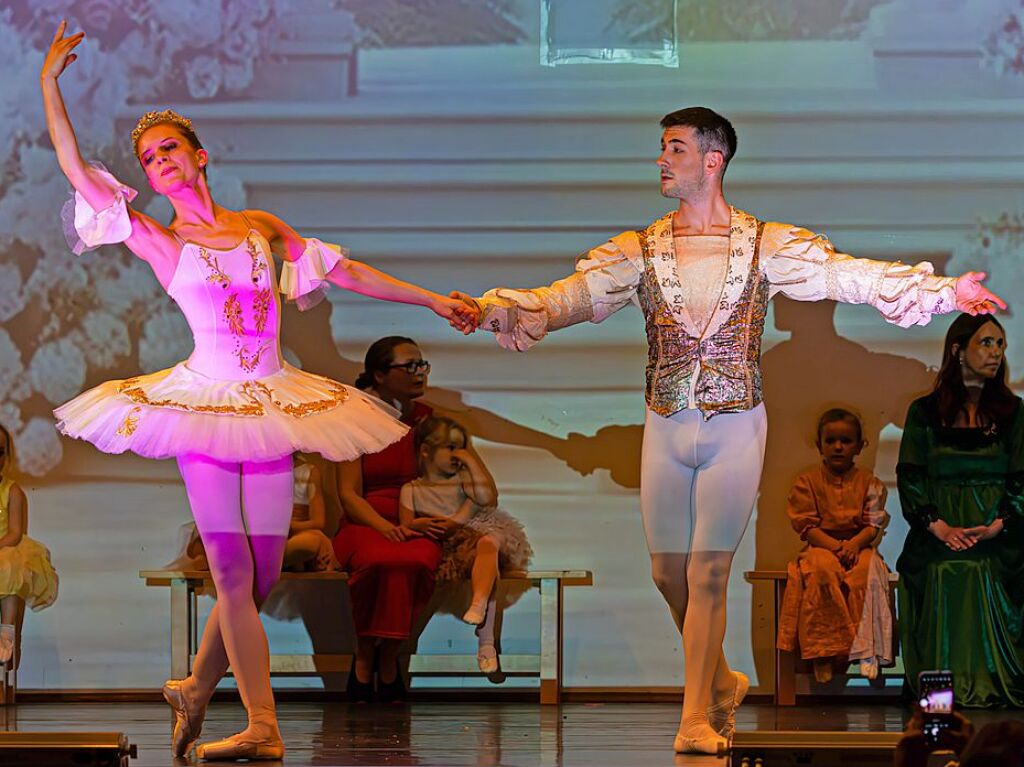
698 485
242 512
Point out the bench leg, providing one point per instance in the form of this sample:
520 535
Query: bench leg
550 641
181 628
785 662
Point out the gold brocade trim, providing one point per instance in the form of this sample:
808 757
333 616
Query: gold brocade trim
130 423
258 264
215 275
261 308
233 315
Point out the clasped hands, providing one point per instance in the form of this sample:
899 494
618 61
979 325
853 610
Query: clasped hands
461 310
963 538
435 528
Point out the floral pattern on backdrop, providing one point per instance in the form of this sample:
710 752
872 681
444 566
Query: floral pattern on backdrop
68 322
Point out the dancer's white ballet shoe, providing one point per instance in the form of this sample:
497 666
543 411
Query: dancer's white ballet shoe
238 747
487 658
6 642
722 715
475 614
188 721
703 741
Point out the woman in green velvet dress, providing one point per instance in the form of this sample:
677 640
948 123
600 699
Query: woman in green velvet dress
961 486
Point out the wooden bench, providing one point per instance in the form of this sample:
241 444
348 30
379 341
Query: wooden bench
547 664
785 661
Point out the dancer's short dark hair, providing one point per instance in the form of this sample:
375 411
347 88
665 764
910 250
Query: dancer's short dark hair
713 131
379 358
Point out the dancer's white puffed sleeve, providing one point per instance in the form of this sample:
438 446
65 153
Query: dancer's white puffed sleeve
86 228
806 267
605 280
304 280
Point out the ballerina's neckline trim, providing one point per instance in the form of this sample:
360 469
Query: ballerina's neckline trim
252 230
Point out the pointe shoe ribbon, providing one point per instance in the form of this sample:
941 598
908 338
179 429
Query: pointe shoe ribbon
722 715
234 748
188 723
707 744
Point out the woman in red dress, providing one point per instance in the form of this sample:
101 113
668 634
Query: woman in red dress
391 568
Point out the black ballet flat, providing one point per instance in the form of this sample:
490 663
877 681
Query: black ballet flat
356 691
391 692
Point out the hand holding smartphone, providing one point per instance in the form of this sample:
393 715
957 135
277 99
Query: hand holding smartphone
936 701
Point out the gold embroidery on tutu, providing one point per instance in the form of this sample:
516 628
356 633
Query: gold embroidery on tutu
261 308
215 275
135 393
130 423
258 264
338 395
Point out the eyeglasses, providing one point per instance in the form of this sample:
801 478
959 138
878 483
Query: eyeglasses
413 367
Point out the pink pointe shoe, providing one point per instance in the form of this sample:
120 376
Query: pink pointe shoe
722 714
238 747
701 741
188 722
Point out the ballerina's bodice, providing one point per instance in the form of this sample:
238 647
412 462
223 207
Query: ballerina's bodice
229 298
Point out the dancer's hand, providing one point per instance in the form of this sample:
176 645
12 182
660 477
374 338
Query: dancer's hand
461 315
955 538
60 55
973 297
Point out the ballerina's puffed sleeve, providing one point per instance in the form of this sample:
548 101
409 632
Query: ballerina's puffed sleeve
806 267
304 280
605 280
86 228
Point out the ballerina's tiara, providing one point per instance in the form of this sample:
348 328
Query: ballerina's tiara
150 119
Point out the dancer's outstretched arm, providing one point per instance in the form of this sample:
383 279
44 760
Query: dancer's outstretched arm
360 278
806 267
145 237
605 280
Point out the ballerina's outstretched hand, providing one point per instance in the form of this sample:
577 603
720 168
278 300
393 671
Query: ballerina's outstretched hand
60 53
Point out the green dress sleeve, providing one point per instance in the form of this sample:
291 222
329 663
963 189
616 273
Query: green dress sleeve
1011 506
912 480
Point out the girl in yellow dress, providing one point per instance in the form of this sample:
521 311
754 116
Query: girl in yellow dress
26 575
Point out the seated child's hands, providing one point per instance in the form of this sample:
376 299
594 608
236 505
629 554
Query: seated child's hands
434 528
847 553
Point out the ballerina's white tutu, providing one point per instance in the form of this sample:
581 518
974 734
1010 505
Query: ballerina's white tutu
235 398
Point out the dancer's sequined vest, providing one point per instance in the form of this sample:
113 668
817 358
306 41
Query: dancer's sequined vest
720 373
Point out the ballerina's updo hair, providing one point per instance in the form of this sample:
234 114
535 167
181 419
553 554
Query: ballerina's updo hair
165 117
434 431
839 414
378 359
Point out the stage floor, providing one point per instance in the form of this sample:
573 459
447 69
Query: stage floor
436 734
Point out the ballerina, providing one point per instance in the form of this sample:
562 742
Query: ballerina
234 412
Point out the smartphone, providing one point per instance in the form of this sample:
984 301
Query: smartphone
936 702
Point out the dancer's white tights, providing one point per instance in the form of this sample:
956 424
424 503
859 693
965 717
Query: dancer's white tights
242 512
698 486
